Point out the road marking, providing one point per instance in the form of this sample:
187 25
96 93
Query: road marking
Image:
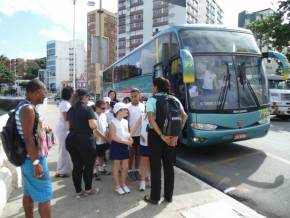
278 158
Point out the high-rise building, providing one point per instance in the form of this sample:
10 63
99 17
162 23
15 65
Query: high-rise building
100 23
138 20
246 18
60 62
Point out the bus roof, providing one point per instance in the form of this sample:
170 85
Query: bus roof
176 28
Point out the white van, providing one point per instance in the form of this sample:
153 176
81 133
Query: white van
279 90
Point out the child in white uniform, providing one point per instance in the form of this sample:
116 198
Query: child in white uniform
121 139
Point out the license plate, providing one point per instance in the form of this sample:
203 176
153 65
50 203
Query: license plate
240 136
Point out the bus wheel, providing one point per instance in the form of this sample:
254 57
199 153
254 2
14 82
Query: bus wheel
283 117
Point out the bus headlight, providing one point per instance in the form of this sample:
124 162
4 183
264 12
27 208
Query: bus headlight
203 126
265 120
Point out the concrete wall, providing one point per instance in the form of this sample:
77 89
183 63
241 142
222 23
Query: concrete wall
10 176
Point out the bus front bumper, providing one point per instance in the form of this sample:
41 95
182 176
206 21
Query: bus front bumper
203 137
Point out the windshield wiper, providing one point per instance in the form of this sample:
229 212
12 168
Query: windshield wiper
244 79
224 91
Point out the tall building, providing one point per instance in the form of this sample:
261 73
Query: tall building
245 17
60 63
100 23
138 20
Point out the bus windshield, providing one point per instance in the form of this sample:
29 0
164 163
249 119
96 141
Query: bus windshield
226 82
197 41
279 84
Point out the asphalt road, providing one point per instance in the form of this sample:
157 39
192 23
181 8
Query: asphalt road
255 172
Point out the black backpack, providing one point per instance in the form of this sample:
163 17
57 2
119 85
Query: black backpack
168 115
12 142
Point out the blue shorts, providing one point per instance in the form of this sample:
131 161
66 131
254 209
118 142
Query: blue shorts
119 151
144 150
40 190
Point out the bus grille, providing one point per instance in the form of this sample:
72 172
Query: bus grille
285 97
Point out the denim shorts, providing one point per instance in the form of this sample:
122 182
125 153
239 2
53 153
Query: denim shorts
40 190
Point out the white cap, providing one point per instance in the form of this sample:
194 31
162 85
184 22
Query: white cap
91 103
107 99
118 106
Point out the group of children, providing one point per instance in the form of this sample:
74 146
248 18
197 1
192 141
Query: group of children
115 135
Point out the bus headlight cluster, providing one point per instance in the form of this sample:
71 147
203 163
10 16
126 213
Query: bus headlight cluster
265 120
203 126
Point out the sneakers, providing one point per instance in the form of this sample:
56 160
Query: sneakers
142 186
126 189
119 190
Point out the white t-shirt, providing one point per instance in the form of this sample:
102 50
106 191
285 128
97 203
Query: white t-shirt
135 111
102 126
144 132
64 106
122 130
208 80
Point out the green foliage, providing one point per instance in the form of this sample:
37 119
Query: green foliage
6 76
273 29
32 66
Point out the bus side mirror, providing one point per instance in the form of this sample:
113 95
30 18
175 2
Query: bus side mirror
187 66
283 60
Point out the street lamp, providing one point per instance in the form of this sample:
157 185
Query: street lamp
89 3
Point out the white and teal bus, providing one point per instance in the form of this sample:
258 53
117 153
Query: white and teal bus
215 71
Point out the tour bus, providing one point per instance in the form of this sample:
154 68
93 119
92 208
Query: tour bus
215 71
279 89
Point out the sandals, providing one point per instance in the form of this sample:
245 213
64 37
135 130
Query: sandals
149 200
92 191
58 175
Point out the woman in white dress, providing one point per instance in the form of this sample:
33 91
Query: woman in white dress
64 164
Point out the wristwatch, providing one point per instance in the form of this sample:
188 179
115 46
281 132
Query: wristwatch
36 162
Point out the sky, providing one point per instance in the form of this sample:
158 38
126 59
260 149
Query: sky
26 25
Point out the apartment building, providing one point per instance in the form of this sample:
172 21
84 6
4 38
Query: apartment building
60 62
138 20
100 23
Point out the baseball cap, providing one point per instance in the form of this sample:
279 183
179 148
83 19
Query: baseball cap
82 92
107 99
118 106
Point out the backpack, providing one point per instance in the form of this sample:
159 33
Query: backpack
12 142
168 115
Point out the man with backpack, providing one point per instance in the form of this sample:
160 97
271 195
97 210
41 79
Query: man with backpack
36 180
167 118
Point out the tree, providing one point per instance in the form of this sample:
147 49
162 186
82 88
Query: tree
41 62
6 76
272 29
31 69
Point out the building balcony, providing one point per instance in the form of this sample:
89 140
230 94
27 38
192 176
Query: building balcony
122 31
160 15
122 23
136 12
160 24
160 6
135 28
135 45
122 39
136 4
140 36
122 16
122 8
139 20
121 1
122 47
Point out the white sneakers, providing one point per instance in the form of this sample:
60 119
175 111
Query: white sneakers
119 190
126 189
122 190
142 185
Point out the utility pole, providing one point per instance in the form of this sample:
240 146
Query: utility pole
74 46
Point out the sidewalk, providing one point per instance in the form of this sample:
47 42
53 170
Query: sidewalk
192 197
